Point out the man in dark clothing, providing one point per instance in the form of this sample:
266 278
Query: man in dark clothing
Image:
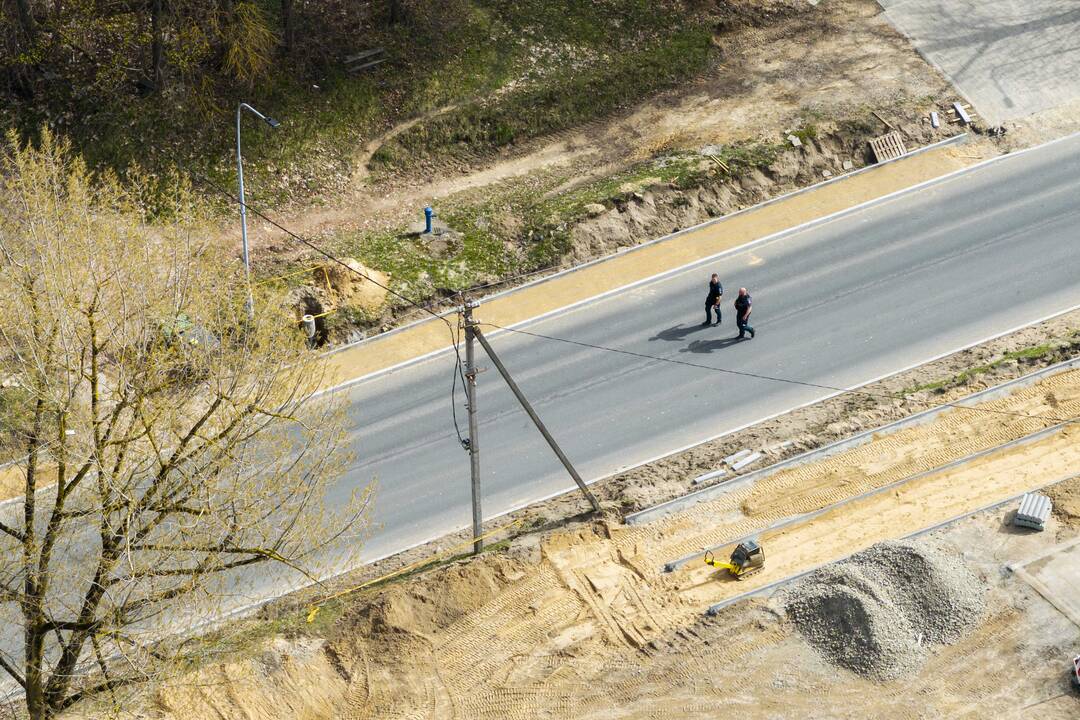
712 300
743 307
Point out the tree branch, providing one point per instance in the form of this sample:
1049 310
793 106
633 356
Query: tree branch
12 672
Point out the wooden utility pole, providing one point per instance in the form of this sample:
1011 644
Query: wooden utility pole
474 444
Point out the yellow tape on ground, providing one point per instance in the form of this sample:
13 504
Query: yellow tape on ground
289 275
314 610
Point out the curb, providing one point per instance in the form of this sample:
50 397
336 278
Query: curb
953 140
666 508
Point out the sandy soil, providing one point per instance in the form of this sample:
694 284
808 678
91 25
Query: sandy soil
585 624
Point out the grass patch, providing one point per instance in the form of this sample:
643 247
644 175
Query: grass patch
518 70
964 377
806 133
565 98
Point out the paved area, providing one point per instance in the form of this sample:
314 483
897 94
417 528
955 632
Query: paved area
646 261
1056 576
1011 58
865 295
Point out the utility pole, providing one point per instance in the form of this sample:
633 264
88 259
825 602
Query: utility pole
534 417
249 306
472 334
474 445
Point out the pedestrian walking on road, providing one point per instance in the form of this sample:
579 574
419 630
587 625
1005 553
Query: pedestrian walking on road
712 300
743 307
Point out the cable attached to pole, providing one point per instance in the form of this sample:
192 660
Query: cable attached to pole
260 214
770 378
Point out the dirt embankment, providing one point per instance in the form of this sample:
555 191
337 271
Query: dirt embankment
584 623
784 68
661 208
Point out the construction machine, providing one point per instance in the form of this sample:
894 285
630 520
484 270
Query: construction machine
747 559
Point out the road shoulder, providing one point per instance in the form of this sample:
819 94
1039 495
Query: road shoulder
559 292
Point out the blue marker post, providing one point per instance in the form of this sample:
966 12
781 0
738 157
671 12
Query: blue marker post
428 214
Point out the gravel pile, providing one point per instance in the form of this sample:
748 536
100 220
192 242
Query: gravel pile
879 612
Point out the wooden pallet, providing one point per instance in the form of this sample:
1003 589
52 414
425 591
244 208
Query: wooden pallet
888 147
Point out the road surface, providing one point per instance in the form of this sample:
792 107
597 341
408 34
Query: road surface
864 295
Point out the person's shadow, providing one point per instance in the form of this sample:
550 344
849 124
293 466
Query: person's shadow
707 346
678 332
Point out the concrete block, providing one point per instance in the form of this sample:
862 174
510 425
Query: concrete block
709 476
1033 512
732 459
752 458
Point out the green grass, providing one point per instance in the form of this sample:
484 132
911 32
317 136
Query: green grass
518 70
964 377
566 98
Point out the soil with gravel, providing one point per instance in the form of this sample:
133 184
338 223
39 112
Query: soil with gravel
880 612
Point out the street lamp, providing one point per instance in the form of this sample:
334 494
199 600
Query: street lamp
250 305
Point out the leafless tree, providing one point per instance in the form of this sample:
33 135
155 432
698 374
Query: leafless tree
166 444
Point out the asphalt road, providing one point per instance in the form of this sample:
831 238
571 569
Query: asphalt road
860 296
865 295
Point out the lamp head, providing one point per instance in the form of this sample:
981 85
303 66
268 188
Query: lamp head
272 122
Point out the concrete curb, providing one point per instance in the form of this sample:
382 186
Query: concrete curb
953 140
771 587
796 519
663 509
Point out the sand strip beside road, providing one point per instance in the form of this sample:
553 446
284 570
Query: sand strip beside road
910 508
423 338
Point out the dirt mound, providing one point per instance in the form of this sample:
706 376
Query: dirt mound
420 607
1066 500
878 613
356 286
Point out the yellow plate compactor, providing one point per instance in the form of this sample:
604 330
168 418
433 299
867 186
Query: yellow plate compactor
747 559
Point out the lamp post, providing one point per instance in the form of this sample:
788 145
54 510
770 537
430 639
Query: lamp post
250 305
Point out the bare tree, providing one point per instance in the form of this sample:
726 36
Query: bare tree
167 447
157 44
397 12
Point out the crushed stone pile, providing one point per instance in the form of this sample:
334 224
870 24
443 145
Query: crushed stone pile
880 611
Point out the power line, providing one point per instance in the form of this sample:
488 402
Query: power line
771 378
454 338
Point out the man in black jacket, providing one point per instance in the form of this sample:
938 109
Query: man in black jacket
712 300
743 308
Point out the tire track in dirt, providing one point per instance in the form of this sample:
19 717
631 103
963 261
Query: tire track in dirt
810 487
594 630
